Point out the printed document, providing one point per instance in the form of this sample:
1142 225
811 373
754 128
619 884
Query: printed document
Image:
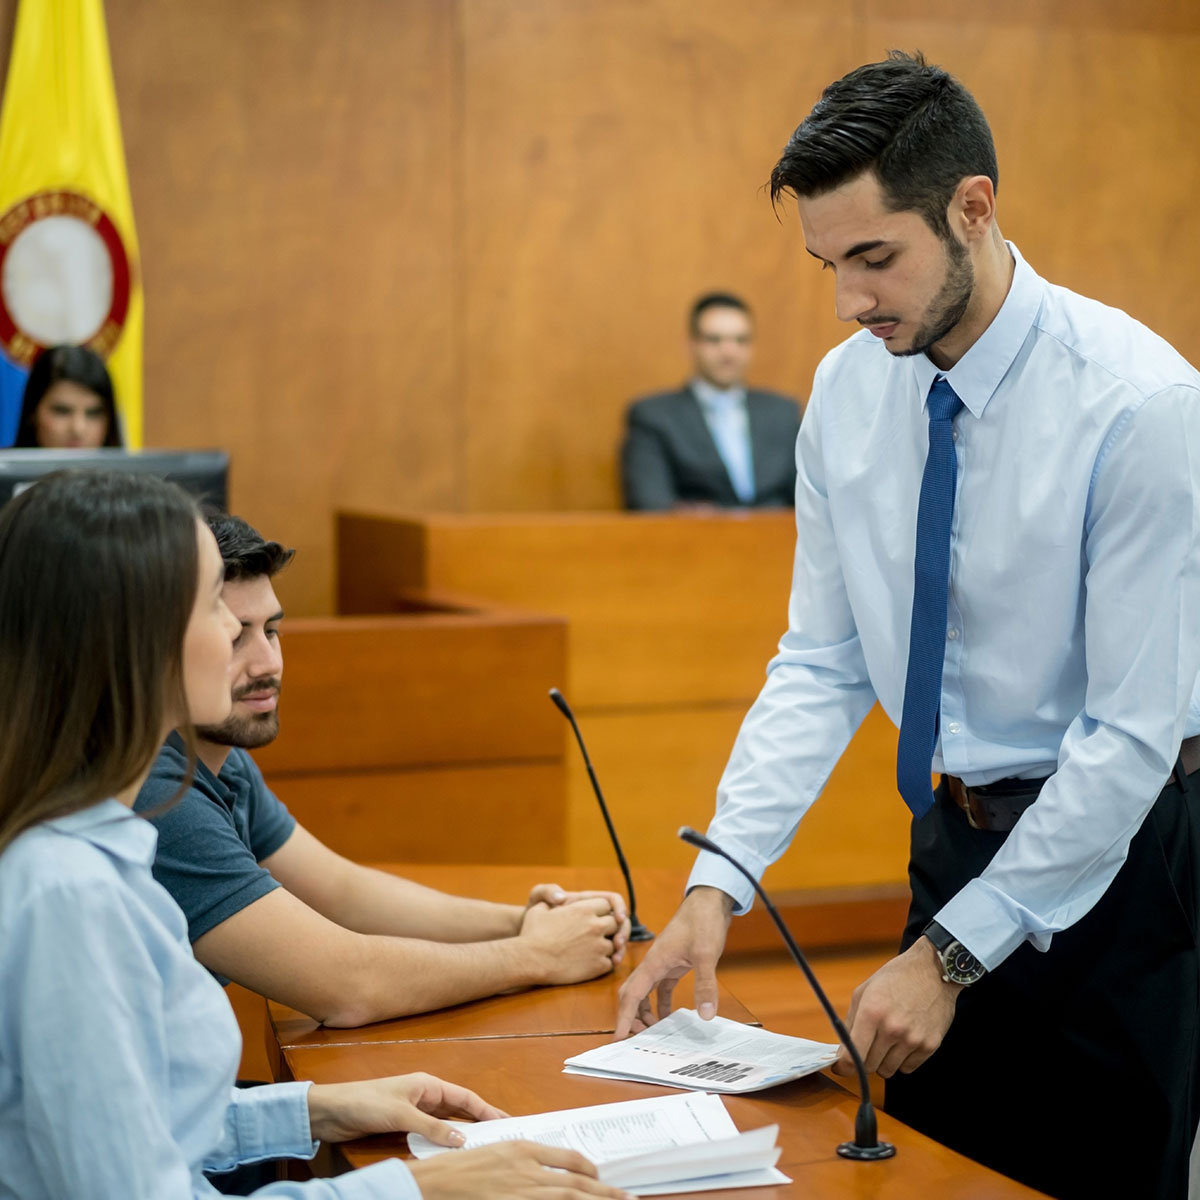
656 1147
719 1055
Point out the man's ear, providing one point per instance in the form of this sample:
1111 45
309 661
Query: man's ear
972 208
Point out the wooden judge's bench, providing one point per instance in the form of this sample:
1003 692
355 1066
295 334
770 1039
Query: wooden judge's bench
666 624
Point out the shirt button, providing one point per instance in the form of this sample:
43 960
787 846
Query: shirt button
954 435
953 727
952 634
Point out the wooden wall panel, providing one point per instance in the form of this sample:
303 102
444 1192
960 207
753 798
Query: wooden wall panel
503 813
1092 106
660 770
291 167
418 253
400 692
618 149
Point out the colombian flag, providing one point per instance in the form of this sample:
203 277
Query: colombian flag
68 250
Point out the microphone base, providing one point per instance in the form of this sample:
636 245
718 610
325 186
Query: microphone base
638 932
874 1153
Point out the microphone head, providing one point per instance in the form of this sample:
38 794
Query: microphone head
689 835
560 702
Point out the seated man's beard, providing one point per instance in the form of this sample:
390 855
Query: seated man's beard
250 731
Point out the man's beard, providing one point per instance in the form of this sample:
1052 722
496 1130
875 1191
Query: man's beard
250 732
949 306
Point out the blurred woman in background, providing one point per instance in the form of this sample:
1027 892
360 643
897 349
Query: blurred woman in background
68 402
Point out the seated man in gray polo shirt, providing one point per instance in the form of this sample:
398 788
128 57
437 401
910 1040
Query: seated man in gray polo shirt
270 907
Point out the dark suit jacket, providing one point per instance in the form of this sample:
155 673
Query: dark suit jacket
669 456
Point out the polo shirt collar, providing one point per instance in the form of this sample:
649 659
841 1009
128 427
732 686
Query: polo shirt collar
977 375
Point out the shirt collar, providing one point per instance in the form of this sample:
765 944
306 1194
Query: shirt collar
977 375
112 827
714 399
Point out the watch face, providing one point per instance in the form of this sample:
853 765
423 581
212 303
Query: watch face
960 965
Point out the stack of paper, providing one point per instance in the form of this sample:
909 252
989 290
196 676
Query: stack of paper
656 1147
719 1055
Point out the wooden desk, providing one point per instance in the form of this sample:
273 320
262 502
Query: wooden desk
511 1050
524 1075
582 1008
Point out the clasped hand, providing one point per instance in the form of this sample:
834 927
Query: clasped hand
553 896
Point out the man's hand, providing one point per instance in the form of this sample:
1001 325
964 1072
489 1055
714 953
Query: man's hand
572 942
399 1104
553 896
692 941
511 1171
900 1015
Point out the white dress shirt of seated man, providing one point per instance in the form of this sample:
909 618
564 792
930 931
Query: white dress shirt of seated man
376 946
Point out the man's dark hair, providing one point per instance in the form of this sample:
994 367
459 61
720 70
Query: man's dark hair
247 554
715 300
914 125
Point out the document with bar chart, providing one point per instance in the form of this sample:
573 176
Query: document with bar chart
714 1056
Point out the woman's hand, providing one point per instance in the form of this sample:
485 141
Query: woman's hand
510 1171
338 1112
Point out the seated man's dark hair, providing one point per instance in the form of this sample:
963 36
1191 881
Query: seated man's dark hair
247 554
914 125
715 300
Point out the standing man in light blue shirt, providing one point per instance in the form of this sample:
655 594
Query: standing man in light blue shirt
714 443
997 506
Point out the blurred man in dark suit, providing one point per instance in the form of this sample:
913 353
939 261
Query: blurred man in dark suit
712 442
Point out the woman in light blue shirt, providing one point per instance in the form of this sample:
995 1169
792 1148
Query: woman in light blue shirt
117 1051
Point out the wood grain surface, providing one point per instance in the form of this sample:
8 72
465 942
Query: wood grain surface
524 1075
422 252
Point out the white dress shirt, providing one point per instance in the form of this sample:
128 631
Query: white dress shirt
117 1049
728 420
1073 633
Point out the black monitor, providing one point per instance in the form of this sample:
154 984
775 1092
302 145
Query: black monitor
203 473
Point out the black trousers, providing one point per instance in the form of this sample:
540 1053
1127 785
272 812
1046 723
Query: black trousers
1074 1071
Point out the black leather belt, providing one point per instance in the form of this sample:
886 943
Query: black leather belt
997 806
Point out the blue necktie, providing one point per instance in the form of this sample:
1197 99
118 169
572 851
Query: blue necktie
931 587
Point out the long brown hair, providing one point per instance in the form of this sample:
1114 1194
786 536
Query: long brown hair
98 577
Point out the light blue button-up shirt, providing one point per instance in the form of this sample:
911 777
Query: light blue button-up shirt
728 420
1073 632
117 1050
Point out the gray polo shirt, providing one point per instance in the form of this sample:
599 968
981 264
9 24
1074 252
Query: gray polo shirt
210 843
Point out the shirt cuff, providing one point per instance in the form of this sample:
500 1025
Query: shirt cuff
990 924
390 1179
711 870
264 1122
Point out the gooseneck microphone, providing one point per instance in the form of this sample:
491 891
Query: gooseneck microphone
637 931
866 1145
